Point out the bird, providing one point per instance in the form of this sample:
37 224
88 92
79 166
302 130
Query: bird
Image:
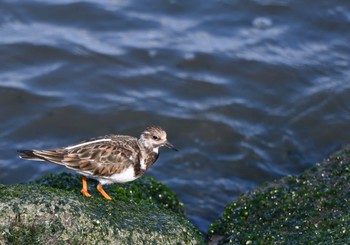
108 159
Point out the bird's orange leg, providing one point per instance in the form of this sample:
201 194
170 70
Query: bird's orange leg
84 190
102 191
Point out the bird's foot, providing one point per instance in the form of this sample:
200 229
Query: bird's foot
103 193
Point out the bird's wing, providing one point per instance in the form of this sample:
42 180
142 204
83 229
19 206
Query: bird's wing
102 158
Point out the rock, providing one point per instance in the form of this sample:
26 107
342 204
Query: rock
52 211
313 208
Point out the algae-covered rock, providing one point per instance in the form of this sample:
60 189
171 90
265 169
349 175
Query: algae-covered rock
52 211
313 208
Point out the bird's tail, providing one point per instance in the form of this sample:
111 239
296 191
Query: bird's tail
55 156
28 154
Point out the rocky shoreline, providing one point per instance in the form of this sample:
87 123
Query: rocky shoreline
52 211
310 208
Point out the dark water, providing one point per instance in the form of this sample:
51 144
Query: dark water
250 91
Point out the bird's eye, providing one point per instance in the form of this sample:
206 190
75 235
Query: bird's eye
155 137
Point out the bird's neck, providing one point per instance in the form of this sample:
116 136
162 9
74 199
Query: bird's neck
148 145
152 152
151 156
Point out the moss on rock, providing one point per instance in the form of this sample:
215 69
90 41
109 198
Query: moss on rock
311 208
52 211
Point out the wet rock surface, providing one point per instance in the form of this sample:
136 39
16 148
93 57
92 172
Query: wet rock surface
310 208
52 211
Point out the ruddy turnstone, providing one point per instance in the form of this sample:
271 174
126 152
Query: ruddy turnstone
108 159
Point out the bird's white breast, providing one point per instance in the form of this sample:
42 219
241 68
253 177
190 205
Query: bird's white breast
126 175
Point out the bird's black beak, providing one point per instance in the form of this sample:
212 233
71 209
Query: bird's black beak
170 146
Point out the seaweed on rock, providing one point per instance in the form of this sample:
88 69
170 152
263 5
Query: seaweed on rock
313 207
52 211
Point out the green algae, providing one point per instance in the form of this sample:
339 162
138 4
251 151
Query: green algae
311 208
145 190
52 210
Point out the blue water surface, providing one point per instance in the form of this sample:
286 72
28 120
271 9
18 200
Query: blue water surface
249 91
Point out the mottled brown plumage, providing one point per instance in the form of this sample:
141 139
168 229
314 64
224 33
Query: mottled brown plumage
108 159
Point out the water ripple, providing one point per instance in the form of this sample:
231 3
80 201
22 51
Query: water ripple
249 91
